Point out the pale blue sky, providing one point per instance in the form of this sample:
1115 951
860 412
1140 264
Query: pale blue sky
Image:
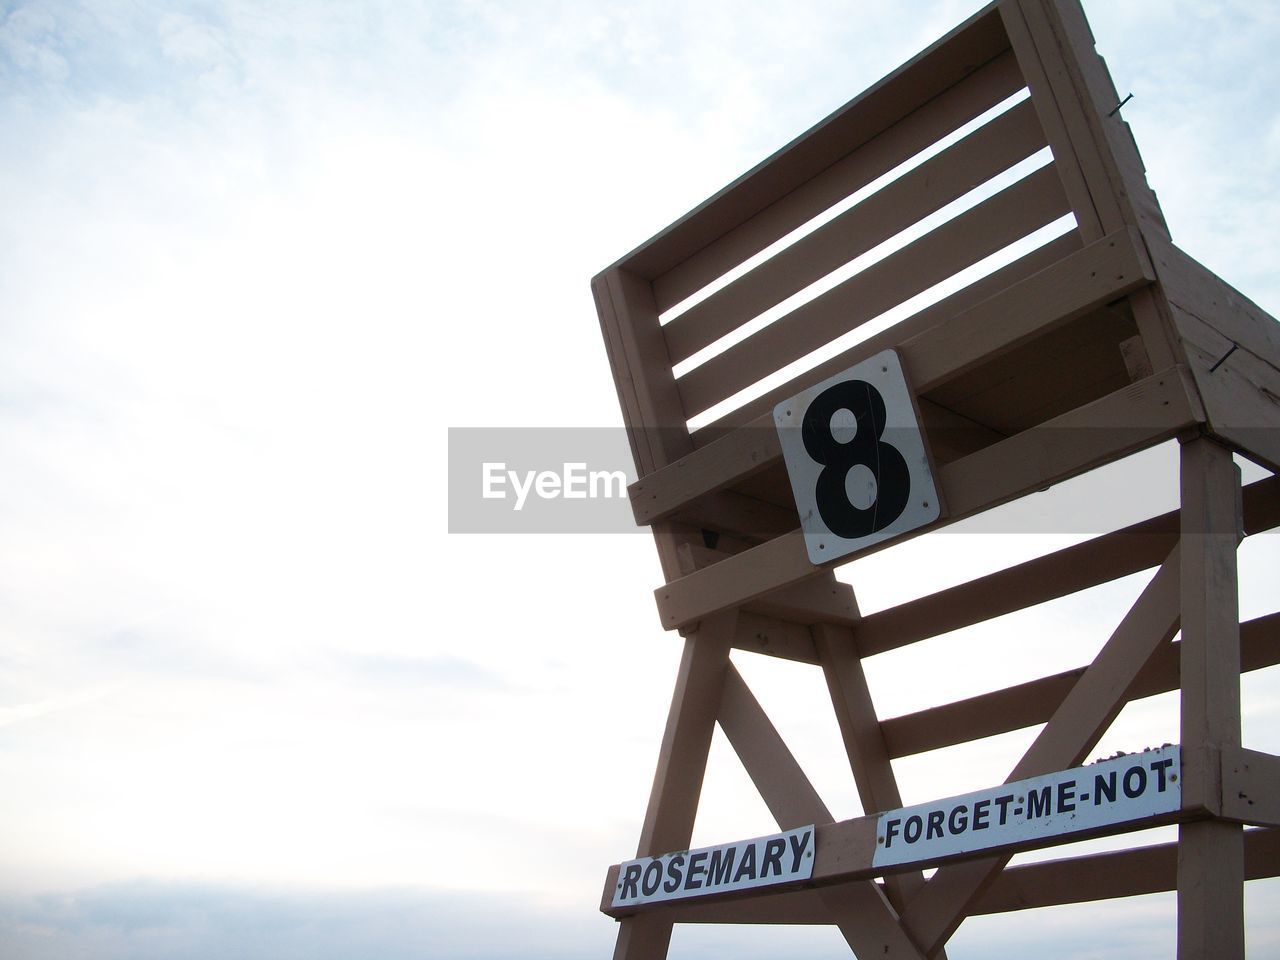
254 701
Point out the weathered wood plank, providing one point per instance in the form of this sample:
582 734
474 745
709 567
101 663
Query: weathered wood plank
1100 560
1130 419
989 150
1111 138
1065 116
820 599
1072 731
772 637
642 371
1078 283
682 762
1014 212
655 423
954 80
900 333
1251 786
783 785
682 759
1026 704
1240 391
1050 883
1209 298
735 457
1099 274
861 910
1051 121
1142 414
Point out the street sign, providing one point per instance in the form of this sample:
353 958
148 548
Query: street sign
762 862
1084 799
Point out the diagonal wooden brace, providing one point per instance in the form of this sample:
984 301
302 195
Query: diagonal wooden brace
1076 727
860 909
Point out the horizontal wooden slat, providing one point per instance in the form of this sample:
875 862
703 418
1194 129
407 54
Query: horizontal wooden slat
1107 876
1240 390
1014 212
1103 271
1138 416
1065 366
773 769
1132 418
731 511
1205 295
844 850
897 335
735 457
1027 704
1055 295
1099 876
989 150
821 599
772 637
1250 786
891 121
1117 554
705 471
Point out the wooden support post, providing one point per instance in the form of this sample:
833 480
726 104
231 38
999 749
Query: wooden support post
863 741
682 761
1210 852
1075 728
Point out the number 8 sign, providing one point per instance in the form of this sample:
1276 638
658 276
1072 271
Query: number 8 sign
856 459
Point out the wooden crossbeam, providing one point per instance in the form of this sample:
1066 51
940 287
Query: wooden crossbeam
955 79
1137 416
1090 707
1027 704
860 909
1100 876
783 785
991 149
1250 786
1109 557
845 852
1082 281
1033 202
902 332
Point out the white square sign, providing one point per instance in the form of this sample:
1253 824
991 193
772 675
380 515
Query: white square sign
856 459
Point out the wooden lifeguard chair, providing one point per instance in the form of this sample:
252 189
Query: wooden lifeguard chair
1075 352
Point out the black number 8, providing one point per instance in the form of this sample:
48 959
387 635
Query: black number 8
885 461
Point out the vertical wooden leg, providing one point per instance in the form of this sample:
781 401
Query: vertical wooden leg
863 741
682 761
1082 717
645 937
1210 852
